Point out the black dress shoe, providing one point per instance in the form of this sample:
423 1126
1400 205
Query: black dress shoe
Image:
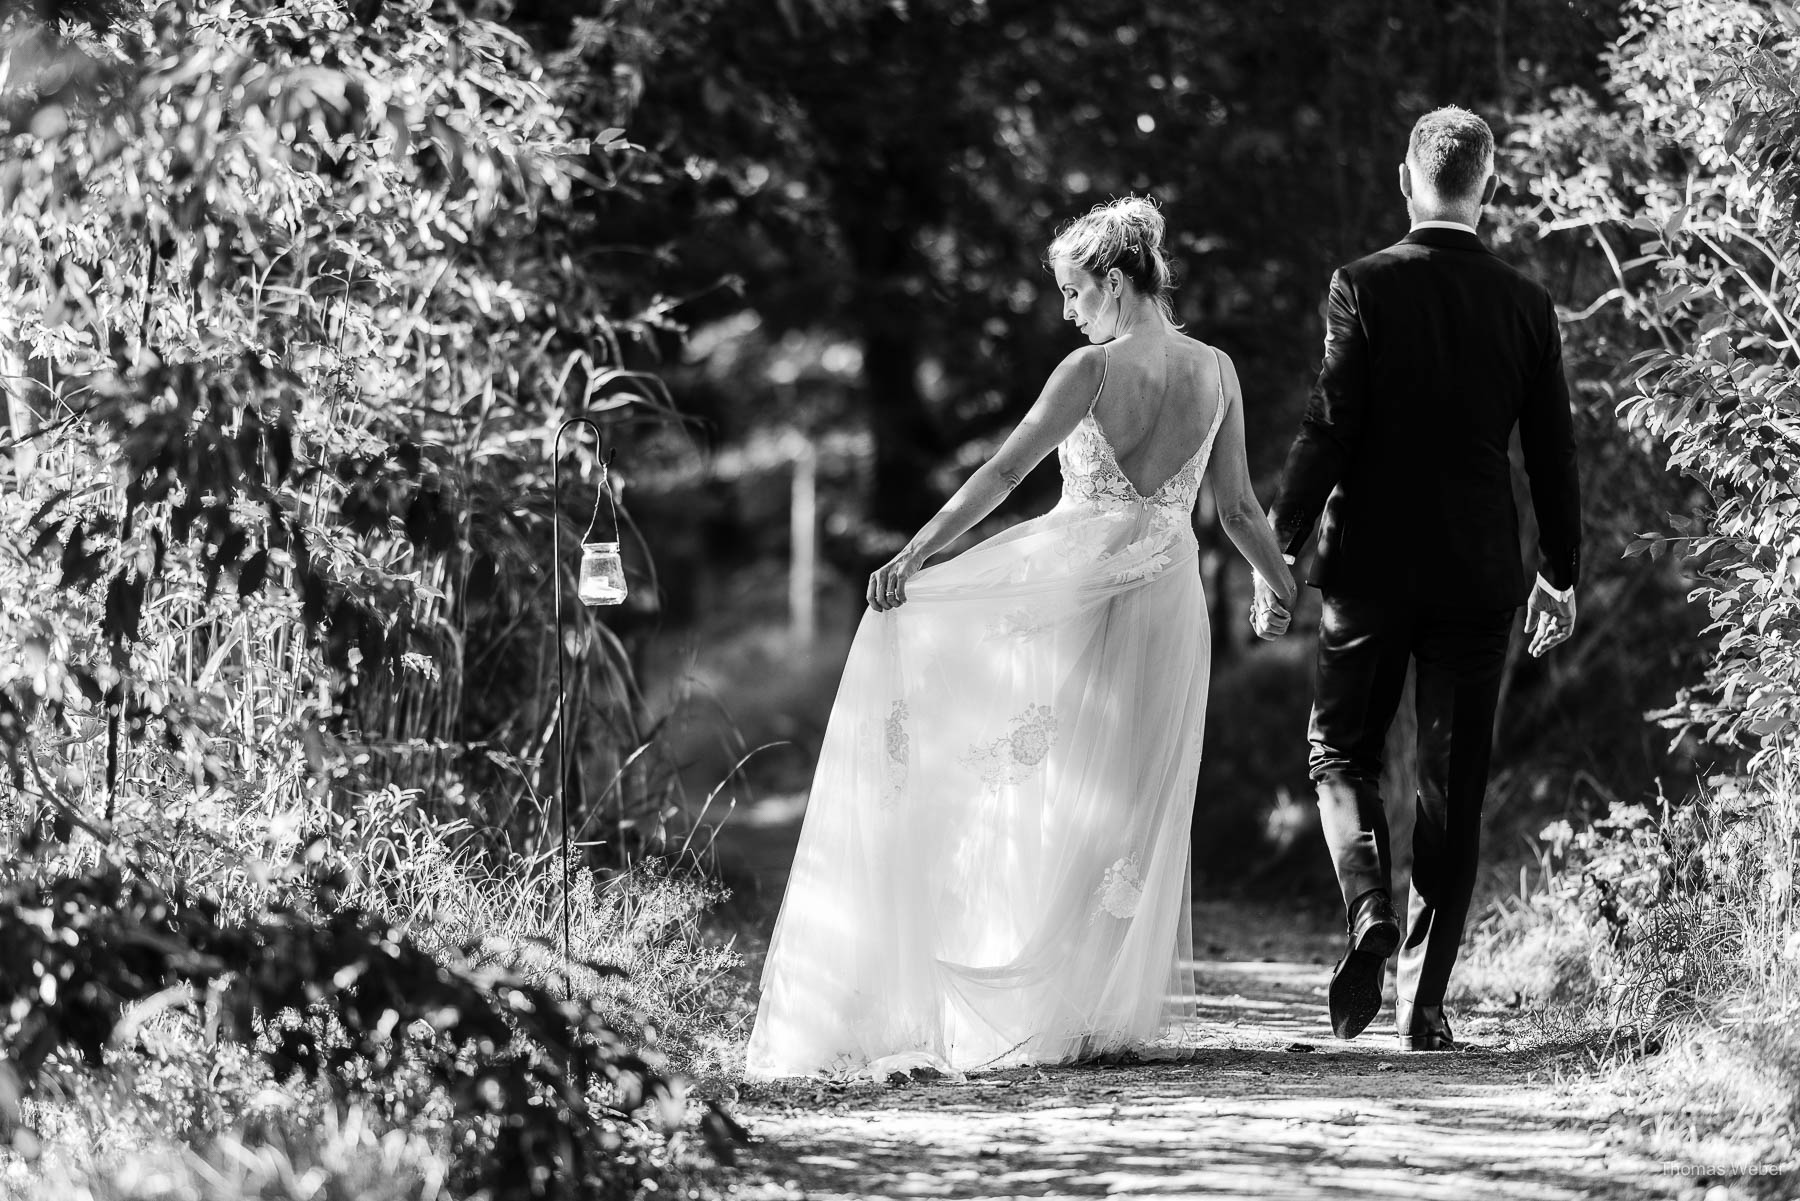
1424 1028
1355 994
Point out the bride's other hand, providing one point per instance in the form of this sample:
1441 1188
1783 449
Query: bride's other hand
1243 520
887 584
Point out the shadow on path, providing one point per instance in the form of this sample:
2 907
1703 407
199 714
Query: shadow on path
1265 1104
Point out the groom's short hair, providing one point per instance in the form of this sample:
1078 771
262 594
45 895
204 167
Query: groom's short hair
1451 152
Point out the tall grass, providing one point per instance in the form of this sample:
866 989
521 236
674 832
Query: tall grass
1673 930
175 1112
647 919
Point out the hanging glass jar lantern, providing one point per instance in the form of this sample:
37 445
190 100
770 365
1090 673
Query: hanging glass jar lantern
602 578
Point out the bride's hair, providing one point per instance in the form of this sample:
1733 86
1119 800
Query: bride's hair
1126 233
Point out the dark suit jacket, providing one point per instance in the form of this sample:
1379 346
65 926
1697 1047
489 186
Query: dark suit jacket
1434 350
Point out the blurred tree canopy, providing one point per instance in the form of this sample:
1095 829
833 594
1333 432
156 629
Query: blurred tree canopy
885 175
892 170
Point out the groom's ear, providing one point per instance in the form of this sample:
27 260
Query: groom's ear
1487 192
1406 181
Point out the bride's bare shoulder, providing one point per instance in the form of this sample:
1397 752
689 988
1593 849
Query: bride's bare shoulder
1085 358
1193 345
1076 380
1202 354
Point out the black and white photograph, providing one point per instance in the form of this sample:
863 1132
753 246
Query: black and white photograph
762 600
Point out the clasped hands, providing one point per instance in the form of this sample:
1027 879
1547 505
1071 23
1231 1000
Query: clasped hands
1269 617
1549 620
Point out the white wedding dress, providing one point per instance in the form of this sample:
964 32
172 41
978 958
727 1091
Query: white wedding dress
993 868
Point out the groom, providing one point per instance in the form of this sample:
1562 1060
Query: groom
1434 351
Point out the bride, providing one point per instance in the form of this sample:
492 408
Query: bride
993 868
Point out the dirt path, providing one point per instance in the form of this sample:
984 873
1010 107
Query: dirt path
1252 1115
1268 1105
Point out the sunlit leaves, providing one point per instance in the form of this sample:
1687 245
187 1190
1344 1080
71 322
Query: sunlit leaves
348 1002
234 248
1695 171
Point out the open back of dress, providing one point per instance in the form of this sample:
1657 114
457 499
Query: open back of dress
994 864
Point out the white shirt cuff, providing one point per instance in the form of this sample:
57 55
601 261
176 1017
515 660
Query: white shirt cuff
1562 595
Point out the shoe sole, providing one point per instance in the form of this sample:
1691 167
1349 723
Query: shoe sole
1381 940
1355 994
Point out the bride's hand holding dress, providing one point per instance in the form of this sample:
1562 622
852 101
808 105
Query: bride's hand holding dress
1059 407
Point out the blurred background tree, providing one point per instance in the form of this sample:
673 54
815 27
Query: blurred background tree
854 196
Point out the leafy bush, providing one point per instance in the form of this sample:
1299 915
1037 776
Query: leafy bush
324 1156
1688 162
1685 179
290 325
287 326
536 1083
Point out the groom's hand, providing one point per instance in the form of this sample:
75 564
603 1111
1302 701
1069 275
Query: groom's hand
1548 619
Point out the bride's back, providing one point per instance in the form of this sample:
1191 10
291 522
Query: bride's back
1157 405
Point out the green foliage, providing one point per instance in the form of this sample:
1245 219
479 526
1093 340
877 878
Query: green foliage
674 982
347 999
1683 180
288 322
289 308
207 303
1689 167
303 1156
1695 904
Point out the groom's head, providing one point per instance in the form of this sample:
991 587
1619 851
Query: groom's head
1449 169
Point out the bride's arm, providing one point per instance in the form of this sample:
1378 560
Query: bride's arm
1243 519
1059 407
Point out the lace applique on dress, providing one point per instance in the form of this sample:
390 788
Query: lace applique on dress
1083 544
1121 888
1013 757
896 743
1092 475
1141 559
1021 624
1090 472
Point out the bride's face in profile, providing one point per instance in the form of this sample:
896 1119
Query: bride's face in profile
1088 300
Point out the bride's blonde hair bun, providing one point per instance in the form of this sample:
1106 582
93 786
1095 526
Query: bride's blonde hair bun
1126 233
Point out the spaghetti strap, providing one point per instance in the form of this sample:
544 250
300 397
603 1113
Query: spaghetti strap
1219 416
1102 387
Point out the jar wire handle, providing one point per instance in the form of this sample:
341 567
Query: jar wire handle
605 490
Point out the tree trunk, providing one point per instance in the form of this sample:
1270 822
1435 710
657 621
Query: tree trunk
21 417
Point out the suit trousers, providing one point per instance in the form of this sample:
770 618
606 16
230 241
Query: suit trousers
1365 644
